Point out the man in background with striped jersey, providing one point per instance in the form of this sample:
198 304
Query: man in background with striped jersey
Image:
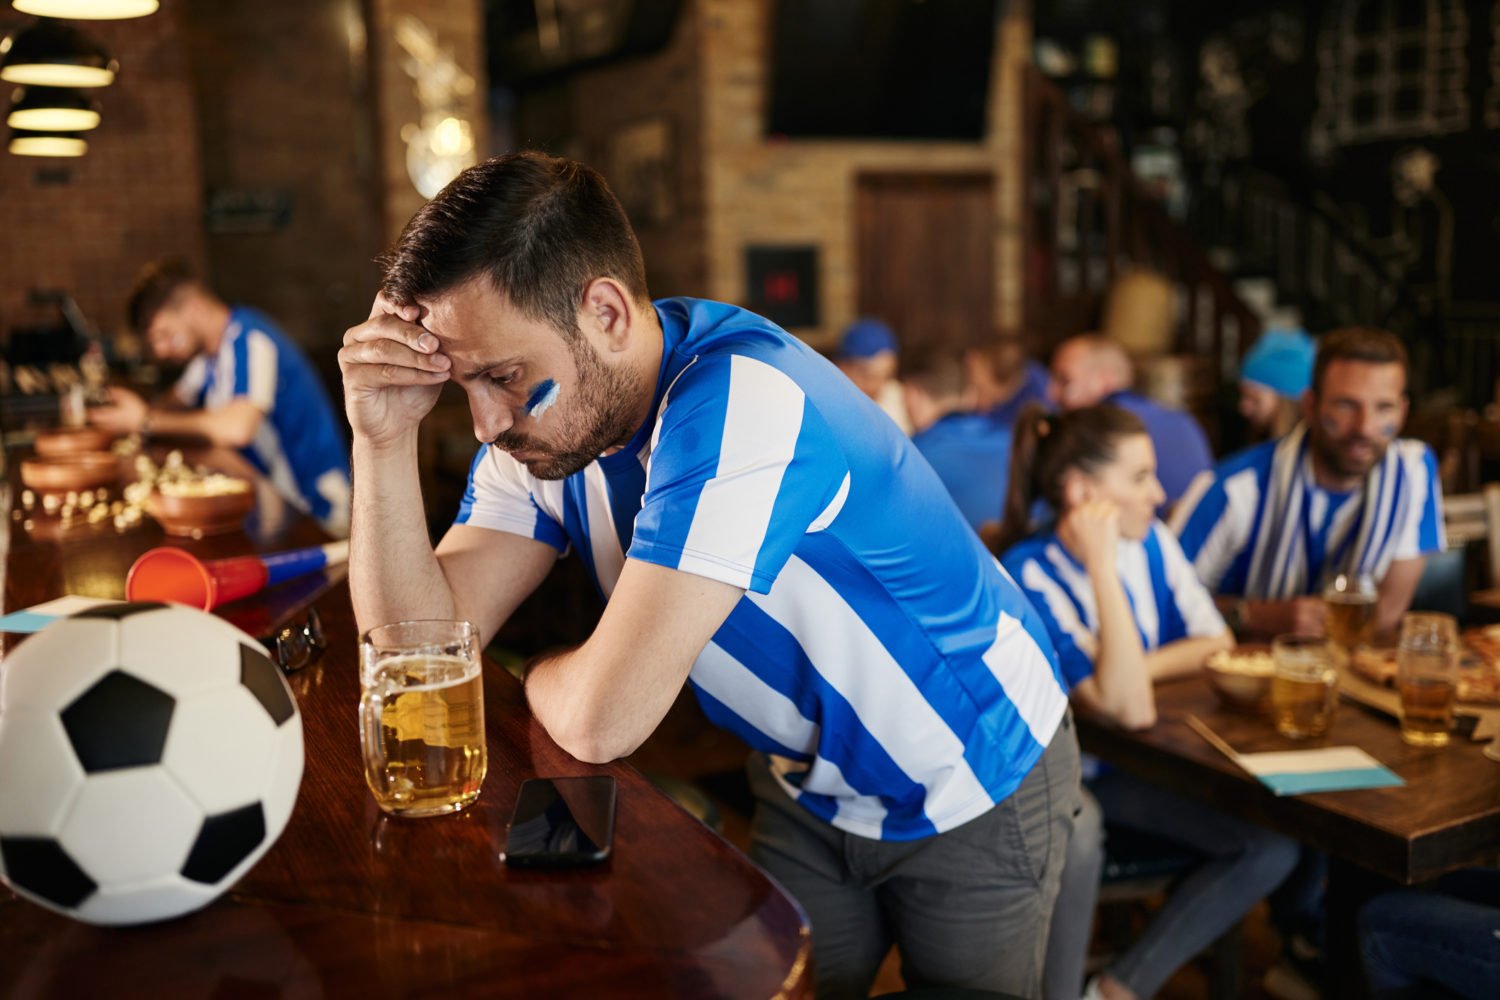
760 531
246 385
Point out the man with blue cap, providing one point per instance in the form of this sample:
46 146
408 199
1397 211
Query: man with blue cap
867 354
1273 376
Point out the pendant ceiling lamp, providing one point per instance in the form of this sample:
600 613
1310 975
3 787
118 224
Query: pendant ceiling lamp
52 109
28 143
87 10
53 54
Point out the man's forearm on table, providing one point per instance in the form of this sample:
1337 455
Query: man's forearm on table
393 573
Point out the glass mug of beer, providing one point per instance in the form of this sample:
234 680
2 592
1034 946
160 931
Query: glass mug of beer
1303 685
1350 600
1427 677
421 713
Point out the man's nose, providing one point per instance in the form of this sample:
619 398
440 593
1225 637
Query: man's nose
491 419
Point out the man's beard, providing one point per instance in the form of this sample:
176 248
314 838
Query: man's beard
602 413
1331 452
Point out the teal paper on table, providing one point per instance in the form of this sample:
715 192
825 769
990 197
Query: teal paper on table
1325 769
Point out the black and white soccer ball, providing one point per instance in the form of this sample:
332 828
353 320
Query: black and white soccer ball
149 755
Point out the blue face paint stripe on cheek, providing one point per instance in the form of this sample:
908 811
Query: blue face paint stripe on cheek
543 395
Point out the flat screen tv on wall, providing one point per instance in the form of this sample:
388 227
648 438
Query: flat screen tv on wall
882 69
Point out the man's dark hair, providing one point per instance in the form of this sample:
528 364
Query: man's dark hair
539 228
1358 343
156 285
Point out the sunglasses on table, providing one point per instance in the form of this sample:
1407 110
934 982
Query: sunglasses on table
299 644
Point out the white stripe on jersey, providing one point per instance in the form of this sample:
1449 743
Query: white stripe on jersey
762 419
892 709
1026 677
262 376
752 699
862 815
609 558
1130 560
831 512
190 383
1060 606
1231 533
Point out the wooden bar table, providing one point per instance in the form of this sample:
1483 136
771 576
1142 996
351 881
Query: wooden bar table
1446 816
351 902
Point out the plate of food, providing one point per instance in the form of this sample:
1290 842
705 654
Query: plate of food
1241 677
1478 665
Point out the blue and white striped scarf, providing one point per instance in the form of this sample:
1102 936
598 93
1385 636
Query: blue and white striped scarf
1279 564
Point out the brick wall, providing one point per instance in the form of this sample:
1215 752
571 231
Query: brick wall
734 189
459 28
85 225
283 94
590 115
803 192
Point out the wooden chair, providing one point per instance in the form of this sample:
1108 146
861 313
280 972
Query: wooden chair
1473 519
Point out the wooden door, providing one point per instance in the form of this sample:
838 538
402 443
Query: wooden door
926 257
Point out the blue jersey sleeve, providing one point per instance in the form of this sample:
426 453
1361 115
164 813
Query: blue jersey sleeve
741 468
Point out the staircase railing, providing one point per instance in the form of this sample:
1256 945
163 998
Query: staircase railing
1088 219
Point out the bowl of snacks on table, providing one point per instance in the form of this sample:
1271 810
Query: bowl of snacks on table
65 473
72 441
193 502
1241 677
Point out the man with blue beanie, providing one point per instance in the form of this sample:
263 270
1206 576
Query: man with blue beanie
1273 376
867 354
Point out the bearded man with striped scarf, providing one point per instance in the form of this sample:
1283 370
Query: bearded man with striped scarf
1340 493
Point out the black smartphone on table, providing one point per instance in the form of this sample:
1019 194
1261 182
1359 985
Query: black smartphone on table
561 823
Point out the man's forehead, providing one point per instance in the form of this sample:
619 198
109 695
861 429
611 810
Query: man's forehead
1353 375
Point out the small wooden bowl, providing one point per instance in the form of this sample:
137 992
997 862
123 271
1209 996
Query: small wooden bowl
196 516
72 441
84 471
1240 691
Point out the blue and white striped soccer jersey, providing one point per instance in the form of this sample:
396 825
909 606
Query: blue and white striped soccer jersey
297 446
1165 595
1260 526
899 681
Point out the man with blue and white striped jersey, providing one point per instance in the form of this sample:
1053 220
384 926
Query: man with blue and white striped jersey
1341 493
246 385
760 530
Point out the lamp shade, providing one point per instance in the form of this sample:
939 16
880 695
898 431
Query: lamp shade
52 109
27 143
53 54
87 10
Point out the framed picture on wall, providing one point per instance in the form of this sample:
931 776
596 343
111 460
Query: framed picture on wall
783 284
642 173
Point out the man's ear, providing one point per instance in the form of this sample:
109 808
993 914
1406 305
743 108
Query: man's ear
607 314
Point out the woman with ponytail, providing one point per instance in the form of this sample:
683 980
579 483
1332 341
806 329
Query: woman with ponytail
1124 609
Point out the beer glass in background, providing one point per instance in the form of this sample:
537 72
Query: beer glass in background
1427 677
1350 621
421 712
1303 686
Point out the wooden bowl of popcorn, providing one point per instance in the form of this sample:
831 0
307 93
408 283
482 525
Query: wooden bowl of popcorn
83 471
72 441
209 504
1241 677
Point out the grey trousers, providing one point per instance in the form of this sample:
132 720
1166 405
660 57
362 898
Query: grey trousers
967 908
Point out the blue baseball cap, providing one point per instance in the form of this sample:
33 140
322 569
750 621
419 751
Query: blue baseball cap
865 338
1281 360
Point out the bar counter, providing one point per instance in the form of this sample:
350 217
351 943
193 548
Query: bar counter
351 902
